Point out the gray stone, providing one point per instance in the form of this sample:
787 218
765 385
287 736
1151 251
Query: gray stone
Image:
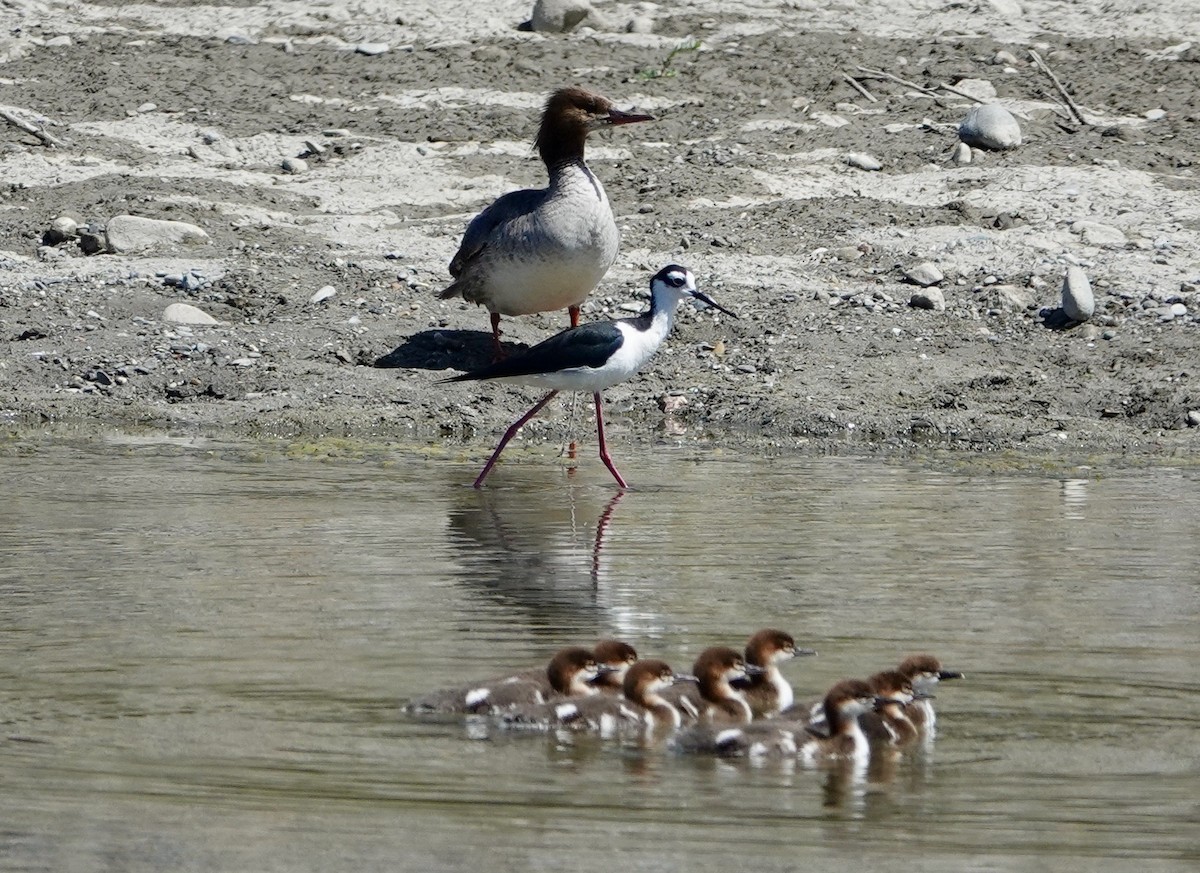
559 16
928 298
1178 310
61 229
863 161
925 274
1193 418
295 166
1078 303
640 24
128 234
961 154
185 313
1096 234
990 127
1010 297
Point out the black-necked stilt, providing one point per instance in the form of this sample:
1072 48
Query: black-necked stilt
594 356
533 251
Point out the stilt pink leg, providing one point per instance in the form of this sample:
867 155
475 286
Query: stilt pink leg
512 432
603 446
498 350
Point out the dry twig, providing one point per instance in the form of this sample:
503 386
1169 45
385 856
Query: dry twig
881 74
1072 106
21 124
857 86
953 90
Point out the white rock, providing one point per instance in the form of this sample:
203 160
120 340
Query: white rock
59 41
961 154
990 127
295 166
1193 418
1007 8
323 294
559 16
1155 115
185 313
64 228
1096 234
928 298
925 274
980 89
863 161
147 107
640 24
127 234
1004 58
1179 310
1078 304
370 49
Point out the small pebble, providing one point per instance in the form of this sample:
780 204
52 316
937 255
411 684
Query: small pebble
640 24
147 107
295 166
323 294
1193 418
1078 303
1155 115
1178 310
558 16
371 49
863 161
925 274
961 154
990 127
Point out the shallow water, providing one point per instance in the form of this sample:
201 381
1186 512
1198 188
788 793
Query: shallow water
203 648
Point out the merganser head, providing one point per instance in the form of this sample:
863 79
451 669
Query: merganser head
647 678
847 700
617 655
892 686
570 115
572 670
925 671
717 667
674 283
769 646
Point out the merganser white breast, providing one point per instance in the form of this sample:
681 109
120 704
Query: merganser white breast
594 356
537 250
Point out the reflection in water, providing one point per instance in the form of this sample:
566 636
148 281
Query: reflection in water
542 550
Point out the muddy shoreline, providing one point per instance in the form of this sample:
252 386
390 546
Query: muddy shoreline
743 178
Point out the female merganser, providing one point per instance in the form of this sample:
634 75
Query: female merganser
925 671
570 673
642 705
594 356
533 251
769 692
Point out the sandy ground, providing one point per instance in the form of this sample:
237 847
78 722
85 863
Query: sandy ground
186 111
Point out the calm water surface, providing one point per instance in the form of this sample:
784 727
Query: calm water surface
203 648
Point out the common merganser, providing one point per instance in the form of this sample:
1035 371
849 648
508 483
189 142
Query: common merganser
769 692
537 250
925 672
641 705
570 673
